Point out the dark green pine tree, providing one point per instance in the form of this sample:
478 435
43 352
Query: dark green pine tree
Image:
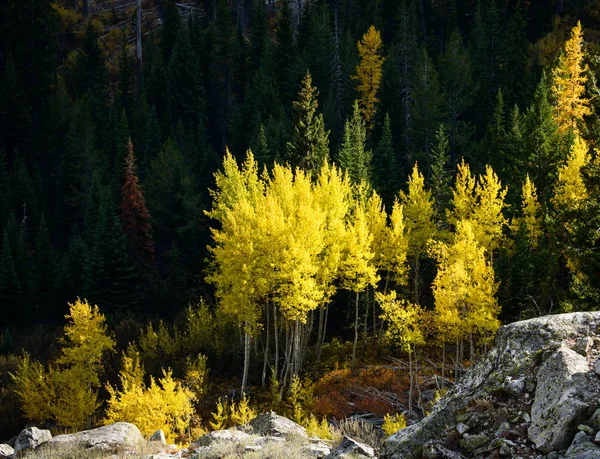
386 171
90 74
24 196
30 35
440 173
126 78
6 201
258 34
75 261
11 292
110 279
186 95
16 232
459 88
353 155
261 149
174 203
172 24
319 50
46 280
286 55
427 108
515 75
155 80
176 283
542 150
494 142
15 115
309 148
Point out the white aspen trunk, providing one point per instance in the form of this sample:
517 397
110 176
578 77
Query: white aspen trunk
410 376
355 331
246 359
266 358
276 338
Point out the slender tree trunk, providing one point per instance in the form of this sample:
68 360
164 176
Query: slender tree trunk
355 331
416 365
246 358
443 363
276 338
410 377
365 325
296 358
471 348
266 360
320 332
417 281
456 362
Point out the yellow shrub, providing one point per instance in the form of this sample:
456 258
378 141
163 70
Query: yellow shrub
314 428
300 400
392 424
221 416
242 413
196 375
166 405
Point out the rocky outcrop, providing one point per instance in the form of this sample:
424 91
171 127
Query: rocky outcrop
350 448
527 398
31 438
274 425
118 437
230 436
6 451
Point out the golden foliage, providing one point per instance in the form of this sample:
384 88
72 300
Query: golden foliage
570 192
166 405
406 321
392 424
369 72
314 428
570 77
221 416
531 211
241 413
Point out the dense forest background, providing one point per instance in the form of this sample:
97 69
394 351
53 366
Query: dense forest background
82 118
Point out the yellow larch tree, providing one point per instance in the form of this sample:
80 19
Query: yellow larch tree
418 219
463 195
464 290
570 77
531 212
488 219
357 268
570 192
369 72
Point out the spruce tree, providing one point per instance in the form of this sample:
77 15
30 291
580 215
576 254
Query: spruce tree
46 280
11 292
353 156
90 74
440 174
286 54
309 148
386 171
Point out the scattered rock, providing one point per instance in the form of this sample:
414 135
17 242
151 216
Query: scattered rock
317 450
583 450
584 345
348 447
462 428
561 400
31 438
597 366
597 438
231 435
585 428
158 437
118 437
277 426
502 429
594 420
515 386
6 451
470 443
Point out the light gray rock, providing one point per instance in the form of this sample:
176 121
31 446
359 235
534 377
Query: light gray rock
517 351
561 400
6 451
580 438
462 428
597 438
515 386
31 438
348 447
502 429
158 437
120 436
594 420
317 450
274 425
231 435
597 366
583 450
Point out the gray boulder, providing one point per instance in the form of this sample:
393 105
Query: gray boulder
6 451
232 436
582 448
31 438
561 400
519 349
271 424
158 437
118 437
350 447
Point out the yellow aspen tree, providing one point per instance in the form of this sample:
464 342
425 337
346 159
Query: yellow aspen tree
369 72
395 246
419 215
464 290
406 327
531 211
358 269
570 77
234 252
488 219
332 194
463 195
570 191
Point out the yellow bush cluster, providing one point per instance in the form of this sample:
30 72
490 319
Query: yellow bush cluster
231 414
166 405
392 424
